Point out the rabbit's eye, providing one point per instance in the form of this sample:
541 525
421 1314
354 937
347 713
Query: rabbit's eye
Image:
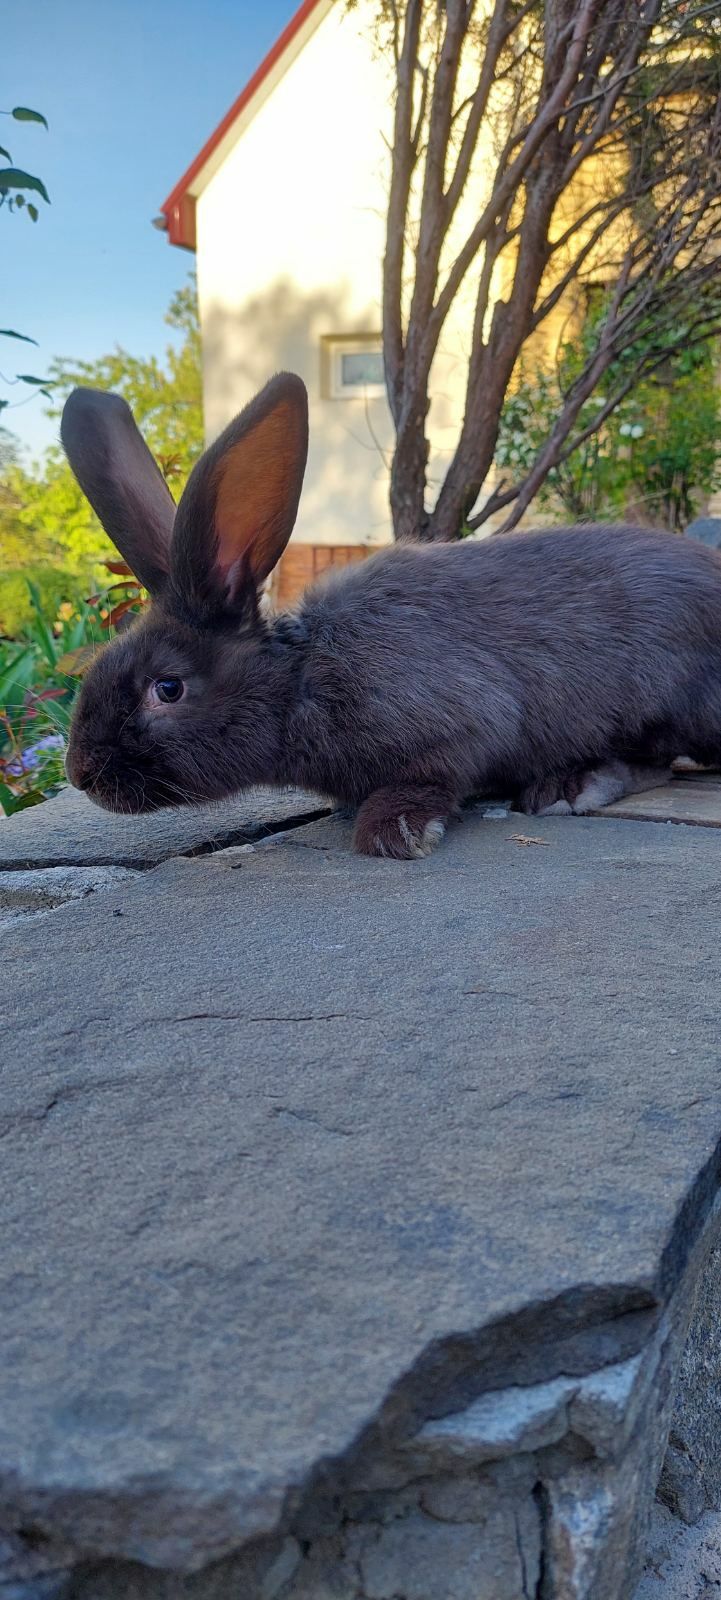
168 690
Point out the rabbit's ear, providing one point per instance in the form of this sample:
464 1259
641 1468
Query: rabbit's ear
126 488
237 510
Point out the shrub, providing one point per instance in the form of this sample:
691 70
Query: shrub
656 457
40 674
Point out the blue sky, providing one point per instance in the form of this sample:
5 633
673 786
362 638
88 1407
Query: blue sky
131 90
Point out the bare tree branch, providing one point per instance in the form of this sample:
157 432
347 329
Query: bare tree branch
620 96
401 175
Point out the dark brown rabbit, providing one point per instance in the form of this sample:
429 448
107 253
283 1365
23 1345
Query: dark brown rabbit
547 663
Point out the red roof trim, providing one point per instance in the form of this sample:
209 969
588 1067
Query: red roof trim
179 208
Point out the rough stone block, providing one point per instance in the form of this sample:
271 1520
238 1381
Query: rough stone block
71 831
34 893
691 1479
353 1212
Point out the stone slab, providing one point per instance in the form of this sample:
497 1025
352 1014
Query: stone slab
302 1150
70 831
695 800
35 892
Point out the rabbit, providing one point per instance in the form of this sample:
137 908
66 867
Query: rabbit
400 687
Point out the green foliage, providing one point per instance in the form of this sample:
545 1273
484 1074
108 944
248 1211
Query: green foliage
15 184
592 482
53 552
40 675
48 532
14 179
48 535
658 454
675 440
166 400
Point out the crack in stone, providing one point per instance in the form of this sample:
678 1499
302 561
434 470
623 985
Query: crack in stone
66 1092
212 846
500 1105
543 1506
258 836
521 1558
81 1027
324 849
311 1117
240 1016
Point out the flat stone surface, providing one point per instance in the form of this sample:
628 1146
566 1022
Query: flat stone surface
301 1150
35 892
682 1563
692 799
71 831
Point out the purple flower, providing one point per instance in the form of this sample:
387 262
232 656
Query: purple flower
32 756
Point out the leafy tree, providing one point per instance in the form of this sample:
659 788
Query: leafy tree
166 399
540 147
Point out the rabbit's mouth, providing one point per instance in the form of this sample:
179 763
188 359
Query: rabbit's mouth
129 797
130 792
136 794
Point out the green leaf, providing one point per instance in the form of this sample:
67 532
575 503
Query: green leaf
34 213
19 201
25 377
15 178
41 630
8 800
59 717
5 153
9 675
9 333
24 114
11 802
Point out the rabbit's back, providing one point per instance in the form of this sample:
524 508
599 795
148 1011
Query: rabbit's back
517 654
535 580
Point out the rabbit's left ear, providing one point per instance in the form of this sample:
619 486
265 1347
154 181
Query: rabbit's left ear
123 483
238 508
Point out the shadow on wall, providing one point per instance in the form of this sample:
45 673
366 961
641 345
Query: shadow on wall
345 497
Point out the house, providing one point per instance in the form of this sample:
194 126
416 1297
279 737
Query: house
285 209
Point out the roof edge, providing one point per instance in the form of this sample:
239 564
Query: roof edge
179 207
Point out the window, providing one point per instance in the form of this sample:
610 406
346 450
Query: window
353 367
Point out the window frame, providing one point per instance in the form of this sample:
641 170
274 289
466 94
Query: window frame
334 347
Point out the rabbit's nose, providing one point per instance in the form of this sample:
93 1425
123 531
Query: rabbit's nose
78 770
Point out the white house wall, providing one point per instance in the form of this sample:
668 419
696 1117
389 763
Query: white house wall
290 235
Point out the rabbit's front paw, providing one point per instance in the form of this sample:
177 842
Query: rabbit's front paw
398 839
403 824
